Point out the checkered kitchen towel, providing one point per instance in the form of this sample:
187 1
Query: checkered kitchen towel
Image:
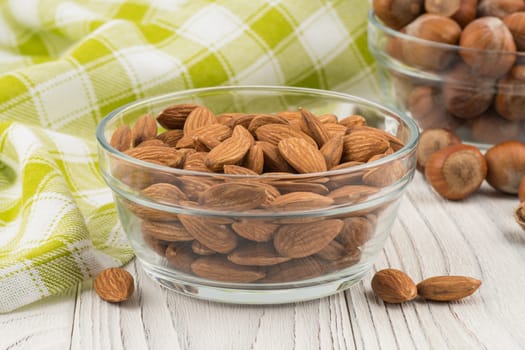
65 64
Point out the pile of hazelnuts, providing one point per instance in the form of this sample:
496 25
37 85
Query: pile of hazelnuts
456 170
484 78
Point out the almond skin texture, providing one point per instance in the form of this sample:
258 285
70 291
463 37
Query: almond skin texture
121 138
233 196
447 288
145 128
218 268
301 240
393 286
114 285
217 237
302 156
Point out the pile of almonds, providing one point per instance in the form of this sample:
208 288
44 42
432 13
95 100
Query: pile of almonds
481 91
265 151
394 286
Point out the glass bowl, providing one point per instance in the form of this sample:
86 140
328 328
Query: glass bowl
482 101
321 239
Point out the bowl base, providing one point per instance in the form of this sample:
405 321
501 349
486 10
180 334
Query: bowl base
281 295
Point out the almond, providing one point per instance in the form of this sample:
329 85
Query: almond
175 116
195 162
273 133
255 230
273 161
200 249
171 137
152 142
114 285
180 257
360 145
121 138
332 151
352 194
234 196
352 257
231 150
393 286
294 270
256 254
352 121
356 231
335 129
333 251
145 128
300 240
219 269
166 231
395 143
327 118
218 237
158 155
193 186
300 201
198 117
156 245
264 119
301 155
238 170
314 127
254 159
244 120
385 175
293 186
163 193
447 288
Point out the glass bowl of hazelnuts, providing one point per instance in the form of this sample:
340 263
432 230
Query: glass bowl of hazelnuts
455 64
257 194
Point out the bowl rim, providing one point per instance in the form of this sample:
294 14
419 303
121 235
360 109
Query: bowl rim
409 123
374 21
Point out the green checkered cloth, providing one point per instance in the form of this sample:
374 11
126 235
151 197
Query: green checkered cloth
64 65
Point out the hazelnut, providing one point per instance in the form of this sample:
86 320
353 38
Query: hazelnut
516 24
456 171
431 141
440 7
422 100
491 129
466 95
510 99
466 13
488 34
397 13
425 104
435 28
519 215
506 166
499 8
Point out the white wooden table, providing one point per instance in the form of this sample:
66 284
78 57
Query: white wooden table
476 237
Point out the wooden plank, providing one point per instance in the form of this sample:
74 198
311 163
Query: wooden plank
46 324
431 237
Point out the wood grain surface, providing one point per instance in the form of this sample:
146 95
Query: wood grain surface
476 237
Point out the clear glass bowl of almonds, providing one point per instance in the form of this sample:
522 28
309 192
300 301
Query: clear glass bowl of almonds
454 64
257 194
